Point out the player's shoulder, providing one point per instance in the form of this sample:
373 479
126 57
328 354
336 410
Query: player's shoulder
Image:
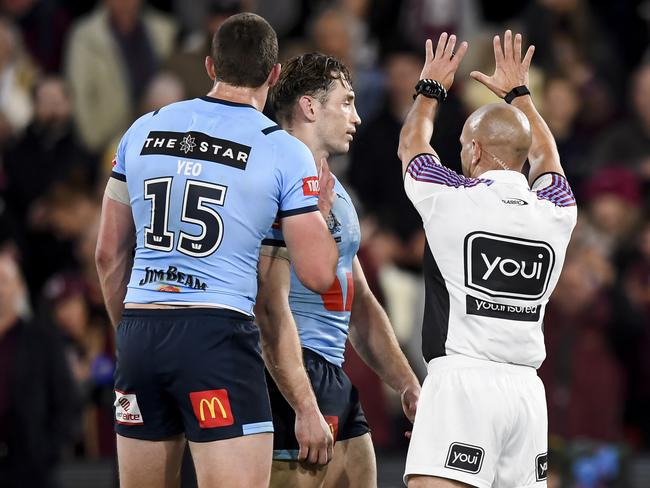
287 144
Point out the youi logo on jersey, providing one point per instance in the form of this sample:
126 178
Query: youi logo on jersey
508 267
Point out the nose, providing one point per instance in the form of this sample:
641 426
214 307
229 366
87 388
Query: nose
356 120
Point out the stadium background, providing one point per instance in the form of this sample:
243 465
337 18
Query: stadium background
74 74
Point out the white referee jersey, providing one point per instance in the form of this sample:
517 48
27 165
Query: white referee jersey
495 250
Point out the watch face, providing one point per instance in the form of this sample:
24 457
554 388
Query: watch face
431 89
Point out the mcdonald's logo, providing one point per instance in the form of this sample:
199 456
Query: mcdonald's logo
333 422
212 408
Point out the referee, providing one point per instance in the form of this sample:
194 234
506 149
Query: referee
495 250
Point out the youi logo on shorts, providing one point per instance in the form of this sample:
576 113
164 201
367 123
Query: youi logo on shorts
508 267
465 457
127 411
541 467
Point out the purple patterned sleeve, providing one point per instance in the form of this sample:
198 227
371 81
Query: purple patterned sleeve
425 168
554 188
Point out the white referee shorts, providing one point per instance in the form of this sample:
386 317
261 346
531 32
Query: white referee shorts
482 423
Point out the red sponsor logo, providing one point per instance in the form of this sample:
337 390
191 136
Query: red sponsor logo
114 162
169 289
124 403
310 186
212 408
333 422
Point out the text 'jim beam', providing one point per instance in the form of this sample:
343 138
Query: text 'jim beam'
196 145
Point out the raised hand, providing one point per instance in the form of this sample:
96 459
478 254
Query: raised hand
511 70
443 64
326 185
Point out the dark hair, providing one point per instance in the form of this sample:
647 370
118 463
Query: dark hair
310 74
244 50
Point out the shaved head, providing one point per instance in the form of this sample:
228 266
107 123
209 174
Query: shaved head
496 136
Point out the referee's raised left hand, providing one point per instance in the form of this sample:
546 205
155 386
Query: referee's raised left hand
442 64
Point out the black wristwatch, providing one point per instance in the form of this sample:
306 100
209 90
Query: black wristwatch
430 89
517 91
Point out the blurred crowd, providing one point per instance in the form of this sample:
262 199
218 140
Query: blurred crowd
74 74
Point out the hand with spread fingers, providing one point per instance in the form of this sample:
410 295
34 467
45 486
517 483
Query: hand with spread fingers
443 64
511 70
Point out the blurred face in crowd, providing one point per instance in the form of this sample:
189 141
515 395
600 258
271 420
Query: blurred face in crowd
124 9
613 215
7 43
561 6
163 90
71 315
11 288
337 118
17 8
641 95
561 102
331 36
575 290
358 8
403 73
52 105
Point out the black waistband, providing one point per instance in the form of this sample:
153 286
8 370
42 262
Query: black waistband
223 313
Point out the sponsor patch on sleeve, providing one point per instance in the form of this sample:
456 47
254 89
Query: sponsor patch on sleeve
310 186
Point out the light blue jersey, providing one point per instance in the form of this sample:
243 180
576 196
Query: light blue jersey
323 320
206 179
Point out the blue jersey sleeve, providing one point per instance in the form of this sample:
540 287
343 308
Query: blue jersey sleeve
298 180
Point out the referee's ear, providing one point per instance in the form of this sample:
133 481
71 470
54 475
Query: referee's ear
209 67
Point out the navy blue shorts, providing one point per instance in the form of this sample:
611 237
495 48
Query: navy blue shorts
337 399
196 371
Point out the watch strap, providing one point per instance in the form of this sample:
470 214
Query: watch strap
517 91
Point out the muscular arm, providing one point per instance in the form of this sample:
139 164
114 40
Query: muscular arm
283 357
114 255
373 338
543 155
441 66
417 130
313 251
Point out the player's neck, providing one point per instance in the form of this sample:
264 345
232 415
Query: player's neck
309 138
239 94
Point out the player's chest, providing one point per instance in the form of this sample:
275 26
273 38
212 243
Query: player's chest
343 224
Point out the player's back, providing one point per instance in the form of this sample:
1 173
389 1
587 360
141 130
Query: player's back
206 181
495 250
